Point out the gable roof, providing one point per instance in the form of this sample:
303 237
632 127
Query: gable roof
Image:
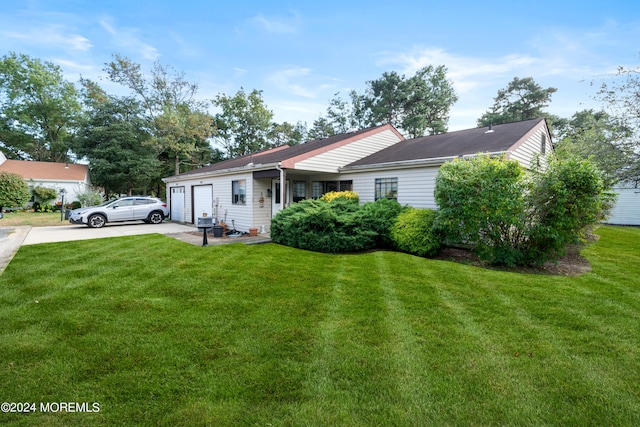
46 171
500 138
289 155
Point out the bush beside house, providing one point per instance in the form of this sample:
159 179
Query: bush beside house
506 214
14 192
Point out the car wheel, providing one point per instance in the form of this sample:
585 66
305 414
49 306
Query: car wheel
155 217
97 221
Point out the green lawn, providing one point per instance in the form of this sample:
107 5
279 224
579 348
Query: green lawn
159 332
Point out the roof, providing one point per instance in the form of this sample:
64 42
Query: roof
502 138
288 155
50 171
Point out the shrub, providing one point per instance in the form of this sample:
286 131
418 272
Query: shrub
564 201
513 218
413 232
89 197
481 203
45 194
320 226
379 217
14 191
340 195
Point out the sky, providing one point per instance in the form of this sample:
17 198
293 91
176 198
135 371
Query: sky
301 54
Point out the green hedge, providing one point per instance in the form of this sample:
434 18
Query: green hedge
413 232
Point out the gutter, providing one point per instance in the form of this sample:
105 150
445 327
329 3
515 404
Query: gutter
221 172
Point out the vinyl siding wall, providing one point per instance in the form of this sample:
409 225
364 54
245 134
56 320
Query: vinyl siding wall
242 214
415 185
627 208
527 151
331 160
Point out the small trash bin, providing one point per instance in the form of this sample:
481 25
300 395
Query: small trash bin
218 230
67 212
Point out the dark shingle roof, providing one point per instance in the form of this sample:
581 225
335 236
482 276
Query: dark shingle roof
278 154
451 144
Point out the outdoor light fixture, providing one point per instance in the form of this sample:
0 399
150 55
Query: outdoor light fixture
62 193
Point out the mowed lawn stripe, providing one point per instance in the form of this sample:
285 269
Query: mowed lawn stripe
164 333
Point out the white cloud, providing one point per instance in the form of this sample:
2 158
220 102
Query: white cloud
128 38
49 35
276 25
300 81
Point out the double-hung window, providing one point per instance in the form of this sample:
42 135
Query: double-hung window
239 192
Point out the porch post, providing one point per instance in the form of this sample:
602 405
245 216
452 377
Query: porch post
283 184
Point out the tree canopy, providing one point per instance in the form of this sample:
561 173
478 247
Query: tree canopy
38 109
522 99
118 146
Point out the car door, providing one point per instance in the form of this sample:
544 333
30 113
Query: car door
141 208
121 210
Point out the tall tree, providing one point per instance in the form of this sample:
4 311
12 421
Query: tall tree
38 109
287 134
181 125
522 99
598 137
244 123
429 99
117 144
322 128
621 96
415 105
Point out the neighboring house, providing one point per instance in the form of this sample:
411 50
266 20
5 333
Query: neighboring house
375 163
73 178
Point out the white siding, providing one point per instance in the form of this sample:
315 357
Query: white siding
415 185
627 208
527 151
331 160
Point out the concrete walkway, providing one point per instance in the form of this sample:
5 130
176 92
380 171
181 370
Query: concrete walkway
11 238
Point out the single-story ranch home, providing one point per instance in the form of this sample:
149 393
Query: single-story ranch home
73 178
376 163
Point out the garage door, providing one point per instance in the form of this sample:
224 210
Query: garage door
177 204
202 201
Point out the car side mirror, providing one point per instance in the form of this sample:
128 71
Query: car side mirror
114 206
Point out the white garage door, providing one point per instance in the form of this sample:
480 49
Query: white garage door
202 201
177 204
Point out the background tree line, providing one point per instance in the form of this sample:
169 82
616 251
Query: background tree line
162 127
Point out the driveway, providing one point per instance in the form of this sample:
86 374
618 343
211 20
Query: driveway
11 238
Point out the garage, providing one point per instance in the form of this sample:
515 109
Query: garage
177 204
202 196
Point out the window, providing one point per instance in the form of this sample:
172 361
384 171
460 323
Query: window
299 191
318 188
239 192
386 188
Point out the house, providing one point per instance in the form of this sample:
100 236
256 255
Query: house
248 191
375 162
73 178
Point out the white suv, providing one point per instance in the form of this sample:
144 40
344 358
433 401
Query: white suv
137 208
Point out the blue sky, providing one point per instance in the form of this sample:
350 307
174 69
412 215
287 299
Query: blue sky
301 53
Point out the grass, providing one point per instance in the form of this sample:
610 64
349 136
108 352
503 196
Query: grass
35 219
163 333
